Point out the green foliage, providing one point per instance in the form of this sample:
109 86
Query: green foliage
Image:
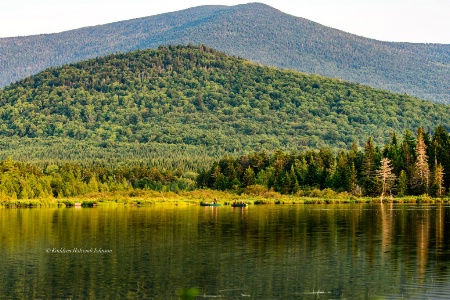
25 181
188 293
316 174
57 151
402 184
323 174
248 179
183 105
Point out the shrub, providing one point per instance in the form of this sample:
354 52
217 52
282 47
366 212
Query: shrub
255 190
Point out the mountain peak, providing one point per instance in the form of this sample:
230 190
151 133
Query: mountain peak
254 31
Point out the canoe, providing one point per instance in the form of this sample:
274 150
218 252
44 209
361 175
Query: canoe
209 204
239 204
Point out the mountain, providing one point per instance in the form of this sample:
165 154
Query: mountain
200 100
254 31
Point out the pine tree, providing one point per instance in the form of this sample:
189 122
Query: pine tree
386 176
230 170
218 180
221 182
202 179
402 187
341 176
430 151
330 174
441 144
327 167
438 181
408 146
393 151
312 174
301 169
355 189
421 173
248 178
368 172
261 178
294 186
93 184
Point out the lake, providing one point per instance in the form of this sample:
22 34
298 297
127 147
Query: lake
348 251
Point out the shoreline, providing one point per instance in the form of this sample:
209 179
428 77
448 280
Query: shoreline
138 198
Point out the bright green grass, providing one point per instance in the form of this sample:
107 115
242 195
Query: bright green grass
140 197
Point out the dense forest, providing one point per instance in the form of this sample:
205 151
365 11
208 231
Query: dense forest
410 166
58 151
201 100
20 180
402 167
254 31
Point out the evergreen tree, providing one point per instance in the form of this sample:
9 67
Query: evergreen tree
214 174
408 148
394 152
221 182
421 172
368 180
271 177
301 170
430 152
286 183
294 186
230 170
441 144
328 167
387 177
402 187
438 181
248 178
202 179
261 178
93 184
355 189
341 180
312 174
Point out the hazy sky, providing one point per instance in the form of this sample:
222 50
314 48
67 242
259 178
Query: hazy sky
424 21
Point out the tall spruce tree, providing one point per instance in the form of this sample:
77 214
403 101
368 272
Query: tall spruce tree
341 180
408 148
441 144
387 177
355 189
421 172
369 179
248 178
394 152
438 181
402 187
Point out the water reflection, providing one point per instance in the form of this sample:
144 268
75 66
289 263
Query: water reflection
260 252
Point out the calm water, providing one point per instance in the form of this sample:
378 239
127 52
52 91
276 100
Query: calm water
260 252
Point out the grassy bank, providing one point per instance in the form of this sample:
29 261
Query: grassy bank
142 197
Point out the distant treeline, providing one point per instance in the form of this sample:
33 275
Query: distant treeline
413 166
20 180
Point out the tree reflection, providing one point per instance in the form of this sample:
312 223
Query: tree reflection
277 251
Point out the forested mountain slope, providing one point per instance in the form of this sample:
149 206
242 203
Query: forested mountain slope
195 97
253 31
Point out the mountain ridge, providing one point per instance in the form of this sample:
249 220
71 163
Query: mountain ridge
254 31
195 96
